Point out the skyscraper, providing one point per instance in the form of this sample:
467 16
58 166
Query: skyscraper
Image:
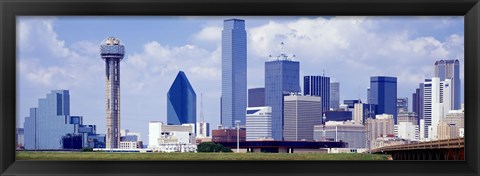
112 53
181 101
50 122
383 92
256 97
417 102
450 69
318 86
282 77
301 113
234 73
334 95
437 103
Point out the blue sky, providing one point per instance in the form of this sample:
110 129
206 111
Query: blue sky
63 53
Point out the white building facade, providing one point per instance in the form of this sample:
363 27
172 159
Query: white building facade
259 123
352 133
172 138
437 102
153 134
407 130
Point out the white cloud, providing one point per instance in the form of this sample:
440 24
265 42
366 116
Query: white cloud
348 47
209 34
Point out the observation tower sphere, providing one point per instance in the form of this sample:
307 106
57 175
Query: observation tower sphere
111 47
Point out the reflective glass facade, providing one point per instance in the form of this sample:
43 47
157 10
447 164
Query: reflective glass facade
181 102
234 72
383 92
334 95
417 102
318 86
450 69
50 122
256 97
282 77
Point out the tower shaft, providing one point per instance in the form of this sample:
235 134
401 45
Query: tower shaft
112 66
112 53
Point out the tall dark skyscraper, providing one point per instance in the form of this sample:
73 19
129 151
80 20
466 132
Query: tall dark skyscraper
383 92
112 53
181 101
417 102
234 73
318 86
450 69
256 97
282 77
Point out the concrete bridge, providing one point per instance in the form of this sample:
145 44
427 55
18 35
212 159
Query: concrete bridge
447 149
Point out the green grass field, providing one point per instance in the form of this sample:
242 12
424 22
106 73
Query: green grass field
22 155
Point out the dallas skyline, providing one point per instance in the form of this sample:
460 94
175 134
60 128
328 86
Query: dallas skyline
62 53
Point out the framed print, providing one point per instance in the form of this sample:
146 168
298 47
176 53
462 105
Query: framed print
239 87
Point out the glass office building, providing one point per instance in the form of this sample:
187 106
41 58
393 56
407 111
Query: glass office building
334 95
234 73
450 69
50 122
383 92
282 77
181 101
318 86
256 97
417 102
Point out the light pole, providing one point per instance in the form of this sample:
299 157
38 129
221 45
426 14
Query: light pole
237 122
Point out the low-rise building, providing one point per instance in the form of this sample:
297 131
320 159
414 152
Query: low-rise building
451 126
172 138
349 132
228 135
382 125
128 144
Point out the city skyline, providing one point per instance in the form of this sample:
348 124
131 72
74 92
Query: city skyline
54 65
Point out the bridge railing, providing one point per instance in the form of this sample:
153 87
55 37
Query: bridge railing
438 144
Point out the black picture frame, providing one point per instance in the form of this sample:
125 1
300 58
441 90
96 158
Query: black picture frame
9 9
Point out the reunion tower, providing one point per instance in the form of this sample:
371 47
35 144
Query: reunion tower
112 53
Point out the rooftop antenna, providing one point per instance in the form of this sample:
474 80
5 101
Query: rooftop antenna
283 56
282 49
